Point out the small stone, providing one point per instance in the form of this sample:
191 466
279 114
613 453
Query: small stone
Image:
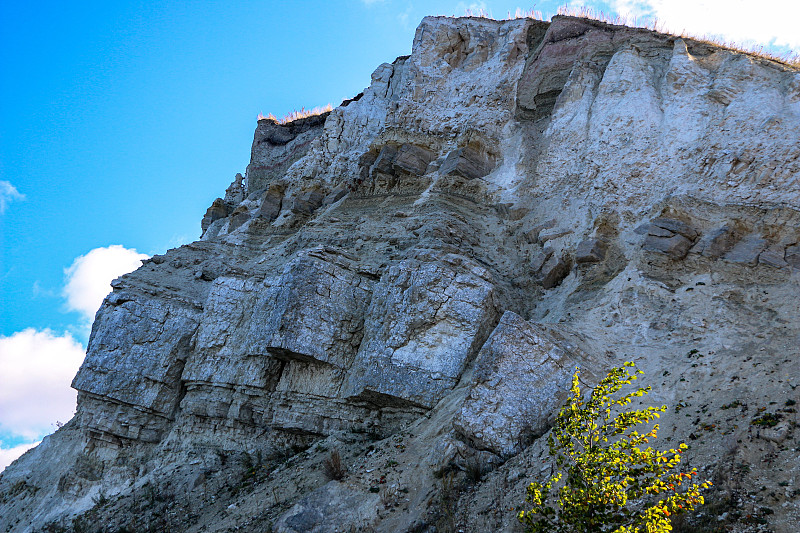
773 256
676 246
591 251
718 242
776 434
793 256
466 162
675 226
554 271
412 159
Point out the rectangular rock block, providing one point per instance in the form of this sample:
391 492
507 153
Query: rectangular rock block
522 376
425 322
313 311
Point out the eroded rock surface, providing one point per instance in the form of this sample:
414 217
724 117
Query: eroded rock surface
612 193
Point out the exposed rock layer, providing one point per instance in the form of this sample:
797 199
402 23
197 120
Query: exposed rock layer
425 265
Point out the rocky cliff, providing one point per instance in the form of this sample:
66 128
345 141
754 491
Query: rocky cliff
408 282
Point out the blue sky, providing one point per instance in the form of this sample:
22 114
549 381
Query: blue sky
120 122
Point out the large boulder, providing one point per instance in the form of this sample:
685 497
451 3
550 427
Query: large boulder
425 322
522 375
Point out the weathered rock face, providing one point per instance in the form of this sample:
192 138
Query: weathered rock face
410 280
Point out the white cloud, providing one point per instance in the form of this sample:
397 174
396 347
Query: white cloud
90 276
9 455
741 21
8 193
38 367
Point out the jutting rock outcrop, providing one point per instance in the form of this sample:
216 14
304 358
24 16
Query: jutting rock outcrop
383 315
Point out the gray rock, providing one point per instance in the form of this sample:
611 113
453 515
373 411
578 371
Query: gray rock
313 310
426 320
591 251
467 162
522 375
675 226
553 272
549 235
676 246
218 210
335 195
271 201
540 258
238 217
277 146
385 160
718 242
532 235
307 202
793 256
413 159
747 250
773 256
332 508
134 363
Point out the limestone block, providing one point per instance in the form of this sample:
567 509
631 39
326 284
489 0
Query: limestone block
718 242
219 356
137 352
676 246
591 251
307 202
675 226
313 310
467 162
522 375
413 159
553 272
773 256
335 195
425 322
532 235
270 201
540 258
747 250
383 163
793 256
218 210
239 216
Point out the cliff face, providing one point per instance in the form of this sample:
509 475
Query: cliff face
410 280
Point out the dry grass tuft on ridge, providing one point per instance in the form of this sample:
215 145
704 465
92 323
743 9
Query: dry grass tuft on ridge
296 115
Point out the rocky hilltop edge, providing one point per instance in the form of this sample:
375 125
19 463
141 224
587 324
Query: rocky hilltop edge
409 281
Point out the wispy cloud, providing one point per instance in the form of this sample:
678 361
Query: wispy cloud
370 2
731 20
88 279
8 193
